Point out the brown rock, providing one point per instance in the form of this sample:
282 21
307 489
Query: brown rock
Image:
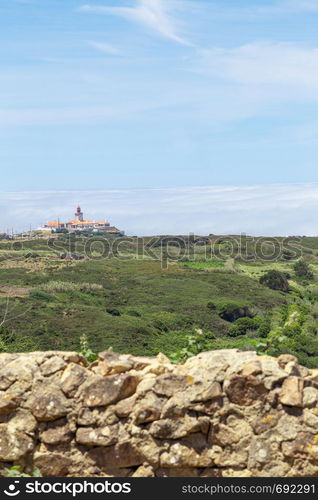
169 383
113 363
72 377
102 391
223 435
260 453
310 397
265 422
284 359
209 391
57 432
13 443
86 416
23 421
148 409
306 445
53 464
178 428
8 403
244 391
48 403
121 455
126 406
52 365
89 436
291 393
144 471
253 367
174 472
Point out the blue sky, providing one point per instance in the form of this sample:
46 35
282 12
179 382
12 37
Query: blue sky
136 94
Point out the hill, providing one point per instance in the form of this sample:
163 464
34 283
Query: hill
148 295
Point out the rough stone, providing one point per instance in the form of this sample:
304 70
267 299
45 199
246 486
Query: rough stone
53 464
48 403
52 365
14 444
223 413
102 391
291 393
89 436
57 432
72 377
244 391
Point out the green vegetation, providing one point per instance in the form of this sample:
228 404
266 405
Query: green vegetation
15 471
302 270
51 297
275 280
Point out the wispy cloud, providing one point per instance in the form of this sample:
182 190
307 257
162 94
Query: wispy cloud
104 47
153 14
260 10
265 63
277 209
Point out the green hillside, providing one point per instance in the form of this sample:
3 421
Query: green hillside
144 302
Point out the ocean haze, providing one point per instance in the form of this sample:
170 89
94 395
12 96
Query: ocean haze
269 210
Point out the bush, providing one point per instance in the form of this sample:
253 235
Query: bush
112 311
302 270
242 325
275 280
165 321
265 325
231 311
211 305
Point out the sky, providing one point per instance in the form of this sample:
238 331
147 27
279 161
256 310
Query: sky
149 97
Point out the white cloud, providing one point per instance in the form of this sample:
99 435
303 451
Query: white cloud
265 63
279 209
104 47
153 14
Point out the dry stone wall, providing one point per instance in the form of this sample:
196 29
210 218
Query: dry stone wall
222 413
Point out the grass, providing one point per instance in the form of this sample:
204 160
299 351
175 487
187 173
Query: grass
202 265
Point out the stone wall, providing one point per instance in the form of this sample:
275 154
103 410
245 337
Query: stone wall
222 413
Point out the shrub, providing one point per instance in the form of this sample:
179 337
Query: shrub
231 311
113 311
302 269
265 325
242 325
211 305
165 321
275 280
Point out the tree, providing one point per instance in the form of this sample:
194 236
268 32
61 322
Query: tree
275 280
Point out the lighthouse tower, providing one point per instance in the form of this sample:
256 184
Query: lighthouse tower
79 214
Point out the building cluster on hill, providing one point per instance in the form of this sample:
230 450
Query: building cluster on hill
81 224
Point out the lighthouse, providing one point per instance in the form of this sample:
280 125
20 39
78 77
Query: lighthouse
79 214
